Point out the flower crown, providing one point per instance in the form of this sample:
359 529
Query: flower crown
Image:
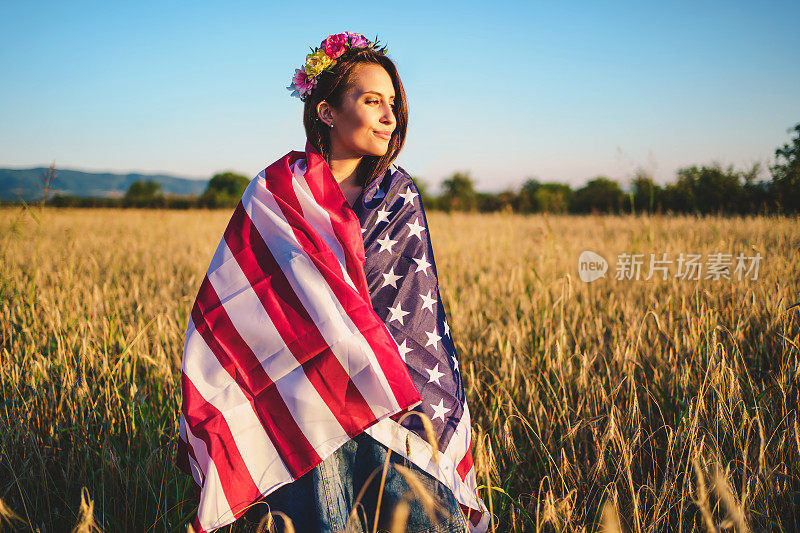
323 58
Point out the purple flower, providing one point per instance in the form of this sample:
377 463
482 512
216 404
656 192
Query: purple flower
356 39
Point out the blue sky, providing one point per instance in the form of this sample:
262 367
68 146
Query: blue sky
561 91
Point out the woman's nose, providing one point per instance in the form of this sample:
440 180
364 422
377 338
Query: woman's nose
388 114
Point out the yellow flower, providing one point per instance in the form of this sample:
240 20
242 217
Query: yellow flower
317 62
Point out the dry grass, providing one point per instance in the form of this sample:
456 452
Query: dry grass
634 405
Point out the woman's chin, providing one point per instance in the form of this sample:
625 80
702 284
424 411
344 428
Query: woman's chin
382 148
378 151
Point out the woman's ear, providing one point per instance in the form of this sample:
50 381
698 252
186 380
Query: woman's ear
324 113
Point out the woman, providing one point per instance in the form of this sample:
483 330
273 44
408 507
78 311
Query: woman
331 238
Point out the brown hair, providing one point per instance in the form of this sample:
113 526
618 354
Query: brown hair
331 87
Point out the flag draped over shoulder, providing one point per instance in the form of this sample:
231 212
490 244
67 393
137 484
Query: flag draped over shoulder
285 358
404 288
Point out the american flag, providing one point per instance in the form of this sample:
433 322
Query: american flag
404 288
285 358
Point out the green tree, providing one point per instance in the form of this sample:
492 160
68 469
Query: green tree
506 201
526 200
552 198
143 194
224 190
489 202
719 190
708 189
599 195
755 192
459 193
646 194
679 197
785 185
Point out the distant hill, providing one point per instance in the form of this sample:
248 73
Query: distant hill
24 183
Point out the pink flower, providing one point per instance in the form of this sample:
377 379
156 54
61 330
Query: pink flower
334 45
302 83
356 39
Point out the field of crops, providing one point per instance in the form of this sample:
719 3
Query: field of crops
650 405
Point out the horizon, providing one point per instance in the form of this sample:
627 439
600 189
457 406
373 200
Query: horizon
556 93
433 189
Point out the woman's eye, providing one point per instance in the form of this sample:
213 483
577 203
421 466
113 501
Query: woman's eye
372 101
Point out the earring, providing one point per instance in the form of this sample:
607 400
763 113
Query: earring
331 124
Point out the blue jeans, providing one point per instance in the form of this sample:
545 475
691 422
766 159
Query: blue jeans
321 500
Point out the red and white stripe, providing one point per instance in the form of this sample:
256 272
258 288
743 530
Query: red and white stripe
285 359
456 470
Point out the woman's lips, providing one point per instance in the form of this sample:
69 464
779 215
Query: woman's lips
385 135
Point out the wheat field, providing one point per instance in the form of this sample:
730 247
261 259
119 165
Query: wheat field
633 405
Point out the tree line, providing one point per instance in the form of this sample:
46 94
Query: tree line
705 189
223 190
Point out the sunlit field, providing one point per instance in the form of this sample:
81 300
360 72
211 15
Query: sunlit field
620 404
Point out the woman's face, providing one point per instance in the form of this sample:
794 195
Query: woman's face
364 122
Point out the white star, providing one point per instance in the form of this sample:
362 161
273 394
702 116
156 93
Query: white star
422 264
387 243
428 301
434 374
415 229
382 215
455 362
446 326
409 196
390 279
433 338
363 230
397 314
439 410
403 349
